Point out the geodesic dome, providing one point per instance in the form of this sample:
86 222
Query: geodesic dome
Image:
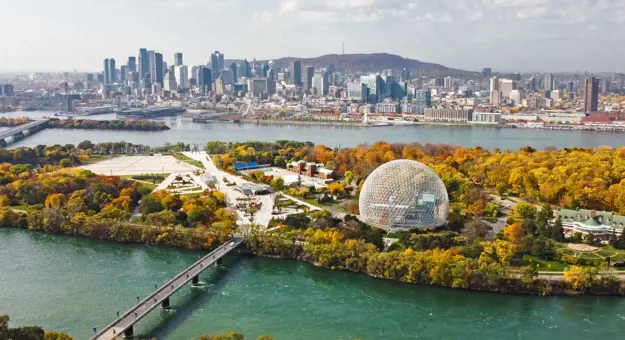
402 195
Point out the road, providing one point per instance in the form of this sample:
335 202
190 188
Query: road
262 216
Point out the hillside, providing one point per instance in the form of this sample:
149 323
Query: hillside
375 62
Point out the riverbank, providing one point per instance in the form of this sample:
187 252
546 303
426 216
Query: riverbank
303 122
508 282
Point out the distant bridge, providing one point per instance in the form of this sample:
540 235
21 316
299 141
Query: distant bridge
30 127
123 326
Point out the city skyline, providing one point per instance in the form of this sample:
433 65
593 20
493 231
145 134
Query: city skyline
519 35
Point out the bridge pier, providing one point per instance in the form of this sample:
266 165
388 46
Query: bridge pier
165 303
129 333
196 280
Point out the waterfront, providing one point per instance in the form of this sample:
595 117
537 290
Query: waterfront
71 284
184 130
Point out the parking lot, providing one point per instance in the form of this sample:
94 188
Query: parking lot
136 165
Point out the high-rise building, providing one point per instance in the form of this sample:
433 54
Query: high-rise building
506 86
486 72
516 76
549 82
178 59
424 98
132 64
109 71
123 73
448 82
235 73
144 64
309 73
247 69
591 94
495 97
106 72
296 72
605 86
217 60
494 84
515 97
170 83
6 90
156 67
405 75
204 78
320 82
376 87
226 76
182 76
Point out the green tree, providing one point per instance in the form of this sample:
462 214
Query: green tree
65 163
277 184
525 210
265 337
528 275
543 217
349 177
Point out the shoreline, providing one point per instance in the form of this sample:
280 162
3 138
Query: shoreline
555 286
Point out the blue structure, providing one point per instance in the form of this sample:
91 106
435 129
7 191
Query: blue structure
247 166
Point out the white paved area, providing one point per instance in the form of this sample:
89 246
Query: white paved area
136 165
261 217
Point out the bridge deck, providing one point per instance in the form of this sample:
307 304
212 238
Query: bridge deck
155 299
16 129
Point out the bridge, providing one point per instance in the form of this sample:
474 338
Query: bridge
123 326
31 126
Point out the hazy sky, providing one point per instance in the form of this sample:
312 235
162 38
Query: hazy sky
507 35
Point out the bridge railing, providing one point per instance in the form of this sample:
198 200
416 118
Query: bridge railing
237 240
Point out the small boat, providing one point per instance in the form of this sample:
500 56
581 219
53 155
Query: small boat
380 124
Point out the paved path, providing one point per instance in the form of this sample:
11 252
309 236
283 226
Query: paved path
313 207
164 292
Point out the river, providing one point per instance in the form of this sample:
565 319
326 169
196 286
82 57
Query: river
73 284
184 130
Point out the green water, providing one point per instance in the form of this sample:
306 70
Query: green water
72 284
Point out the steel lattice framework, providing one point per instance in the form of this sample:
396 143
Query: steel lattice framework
402 195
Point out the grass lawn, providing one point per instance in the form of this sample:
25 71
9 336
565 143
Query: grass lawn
188 160
548 266
196 195
97 158
19 207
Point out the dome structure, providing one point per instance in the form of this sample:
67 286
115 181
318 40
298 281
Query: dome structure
402 195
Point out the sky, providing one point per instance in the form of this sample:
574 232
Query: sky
506 35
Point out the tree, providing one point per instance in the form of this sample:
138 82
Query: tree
277 184
578 278
543 218
349 177
528 275
476 229
265 337
589 239
525 211
227 336
556 231
514 233
65 163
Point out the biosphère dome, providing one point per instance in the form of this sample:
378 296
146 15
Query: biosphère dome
402 195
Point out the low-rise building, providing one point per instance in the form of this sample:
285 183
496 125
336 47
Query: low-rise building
486 118
449 115
310 169
599 223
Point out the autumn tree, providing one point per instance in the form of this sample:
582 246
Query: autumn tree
514 233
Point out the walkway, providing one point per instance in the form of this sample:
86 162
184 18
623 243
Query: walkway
161 296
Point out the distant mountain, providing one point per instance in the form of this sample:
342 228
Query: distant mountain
374 62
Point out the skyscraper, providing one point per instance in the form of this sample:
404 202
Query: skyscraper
216 63
178 59
605 86
106 72
320 82
494 84
204 79
309 73
296 73
156 67
123 73
144 64
549 83
486 72
182 76
109 71
235 73
132 64
591 94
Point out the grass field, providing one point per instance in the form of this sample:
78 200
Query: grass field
97 158
188 160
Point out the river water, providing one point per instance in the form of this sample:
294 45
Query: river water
184 130
73 284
